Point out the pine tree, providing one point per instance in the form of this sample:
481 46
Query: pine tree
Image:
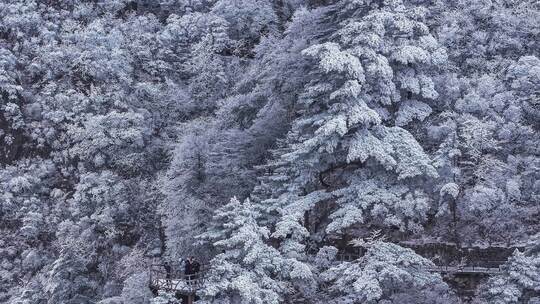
386 273
349 143
247 270
520 274
483 157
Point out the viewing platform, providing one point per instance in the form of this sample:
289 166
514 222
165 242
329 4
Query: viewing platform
170 277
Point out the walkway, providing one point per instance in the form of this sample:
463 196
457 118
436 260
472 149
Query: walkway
465 270
174 280
170 277
479 267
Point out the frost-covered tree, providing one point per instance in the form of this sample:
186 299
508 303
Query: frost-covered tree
136 289
349 163
79 125
210 80
247 270
485 36
185 192
519 278
349 143
10 121
27 200
386 273
111 140
485 164
249 19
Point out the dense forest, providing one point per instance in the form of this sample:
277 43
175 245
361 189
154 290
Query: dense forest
269 138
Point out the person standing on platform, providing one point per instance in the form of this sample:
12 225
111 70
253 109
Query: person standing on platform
188 269
195 267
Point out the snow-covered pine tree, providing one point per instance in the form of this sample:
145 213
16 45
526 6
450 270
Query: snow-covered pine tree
349 152
485 158
349 162
386 273
248 270
369 88
519 279
207 67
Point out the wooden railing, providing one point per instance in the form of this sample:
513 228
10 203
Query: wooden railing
465 269
171 277
485 267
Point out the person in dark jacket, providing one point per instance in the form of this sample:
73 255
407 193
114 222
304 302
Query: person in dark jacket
195 266
168 268
188 266
191 268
